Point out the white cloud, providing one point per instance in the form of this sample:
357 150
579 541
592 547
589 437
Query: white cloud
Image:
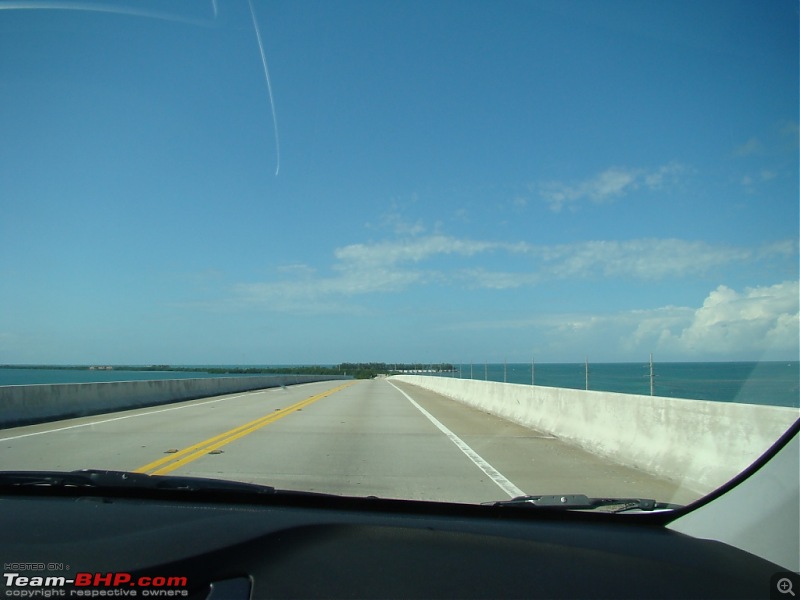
655 179
750 147
759 323
786 248
397 222
766 319
397 265
643 259
410 250
496 280
610 184
287 294
401 226
750 181
647 259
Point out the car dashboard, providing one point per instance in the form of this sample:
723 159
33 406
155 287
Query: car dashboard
315 546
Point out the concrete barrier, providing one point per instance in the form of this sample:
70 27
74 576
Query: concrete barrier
26 404
700 443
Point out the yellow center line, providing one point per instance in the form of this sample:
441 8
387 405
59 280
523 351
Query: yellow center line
195 451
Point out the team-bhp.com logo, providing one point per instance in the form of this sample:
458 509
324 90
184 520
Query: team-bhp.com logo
93 585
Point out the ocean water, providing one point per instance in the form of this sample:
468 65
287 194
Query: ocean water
29 376
770 383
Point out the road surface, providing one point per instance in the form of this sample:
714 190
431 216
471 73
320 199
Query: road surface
371 437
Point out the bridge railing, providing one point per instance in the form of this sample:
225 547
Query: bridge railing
26 404
700 443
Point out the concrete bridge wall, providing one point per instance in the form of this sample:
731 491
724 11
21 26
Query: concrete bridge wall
25 404
700 443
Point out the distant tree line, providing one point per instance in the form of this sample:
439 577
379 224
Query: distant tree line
355 370
370 370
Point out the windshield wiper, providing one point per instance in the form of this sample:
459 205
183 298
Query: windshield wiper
583 502
102 479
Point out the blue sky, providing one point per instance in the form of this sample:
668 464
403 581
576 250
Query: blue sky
456 181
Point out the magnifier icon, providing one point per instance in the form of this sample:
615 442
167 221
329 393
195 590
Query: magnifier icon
784 586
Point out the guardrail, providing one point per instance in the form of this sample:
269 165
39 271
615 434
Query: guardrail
700 443
27 404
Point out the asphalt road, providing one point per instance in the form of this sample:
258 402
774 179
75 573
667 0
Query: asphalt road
360 438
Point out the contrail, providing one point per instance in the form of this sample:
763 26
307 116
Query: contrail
269 89
89 6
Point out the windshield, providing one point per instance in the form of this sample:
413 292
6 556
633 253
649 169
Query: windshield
451 251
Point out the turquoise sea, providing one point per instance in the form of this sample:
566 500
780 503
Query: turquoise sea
44 375
772 383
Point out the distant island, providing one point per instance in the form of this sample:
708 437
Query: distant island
355 370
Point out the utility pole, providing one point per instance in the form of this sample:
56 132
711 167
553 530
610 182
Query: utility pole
533 371
652 377
587 372
505 370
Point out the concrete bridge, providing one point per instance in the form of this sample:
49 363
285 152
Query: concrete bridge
407 436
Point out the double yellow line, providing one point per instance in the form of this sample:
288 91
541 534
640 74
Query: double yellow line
187 455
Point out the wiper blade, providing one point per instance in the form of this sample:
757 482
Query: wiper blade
583 502
102 479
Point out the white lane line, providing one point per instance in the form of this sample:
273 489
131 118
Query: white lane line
495 475
151 412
